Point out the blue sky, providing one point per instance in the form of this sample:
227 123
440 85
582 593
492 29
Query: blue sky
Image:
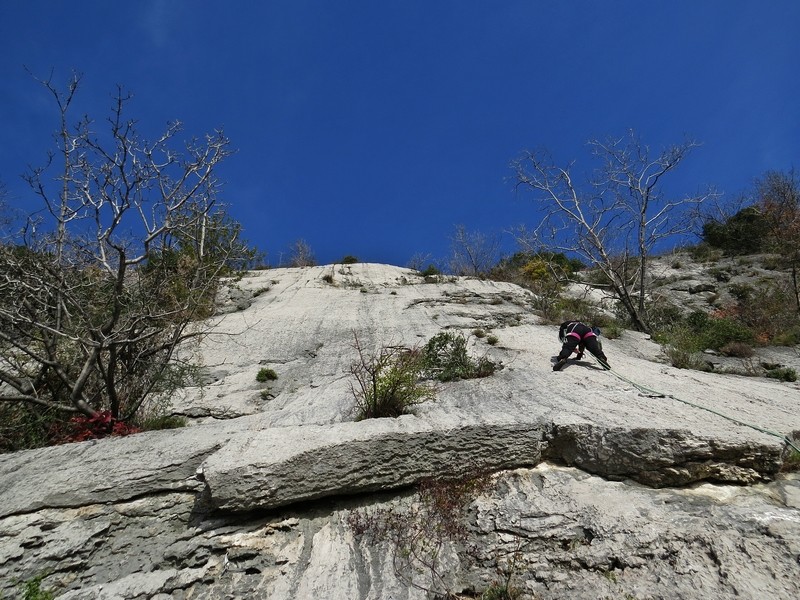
373 128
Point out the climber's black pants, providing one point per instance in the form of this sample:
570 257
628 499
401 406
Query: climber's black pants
589 343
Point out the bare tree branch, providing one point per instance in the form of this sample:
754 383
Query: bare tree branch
617 218
105 283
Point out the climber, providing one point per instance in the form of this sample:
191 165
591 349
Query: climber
579 337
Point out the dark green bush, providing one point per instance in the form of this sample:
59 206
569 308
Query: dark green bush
697 320
702 331
782 374
659 314
445 358
430 271
719 332
741 291
746 232
25 426
349 260
523 267
265 375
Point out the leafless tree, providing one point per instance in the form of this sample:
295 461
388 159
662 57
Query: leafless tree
114 271
5 212
778 199
616 218
302 255
473 253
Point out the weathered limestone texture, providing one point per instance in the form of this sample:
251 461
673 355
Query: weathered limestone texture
591 486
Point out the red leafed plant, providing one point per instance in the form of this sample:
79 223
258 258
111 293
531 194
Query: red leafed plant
82 428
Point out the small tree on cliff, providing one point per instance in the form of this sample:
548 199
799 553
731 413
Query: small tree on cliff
778 199
473 253
112 273
614 220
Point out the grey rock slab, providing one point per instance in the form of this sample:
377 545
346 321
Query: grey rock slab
107 470
279 466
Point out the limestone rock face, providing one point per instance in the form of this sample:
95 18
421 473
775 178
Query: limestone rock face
644 482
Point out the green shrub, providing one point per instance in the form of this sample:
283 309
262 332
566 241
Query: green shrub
659 314
782 374
681 345
327 278
388 382
769 310
349 260
697 320
792 460
680 358
32 590
787 337
265 375
26 426
492 340
698 332
612 330
430 271
746 232
720 332
479 333
445 358
741 291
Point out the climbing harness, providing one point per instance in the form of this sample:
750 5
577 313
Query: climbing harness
650 393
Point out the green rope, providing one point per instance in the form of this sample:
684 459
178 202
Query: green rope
648 390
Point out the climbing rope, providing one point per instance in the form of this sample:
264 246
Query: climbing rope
656 394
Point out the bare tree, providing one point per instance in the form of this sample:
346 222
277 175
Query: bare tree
615 220
112 274
302 255
778 199
473 253
5 212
